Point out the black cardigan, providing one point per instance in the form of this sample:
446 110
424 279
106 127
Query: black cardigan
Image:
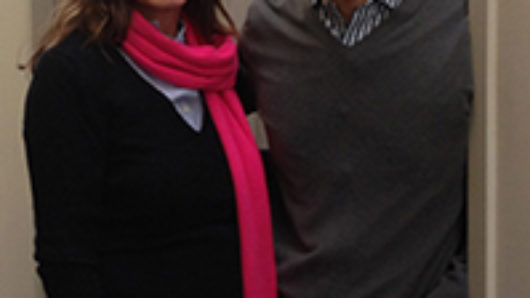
129 201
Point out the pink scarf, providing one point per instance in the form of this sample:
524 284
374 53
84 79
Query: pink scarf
213 70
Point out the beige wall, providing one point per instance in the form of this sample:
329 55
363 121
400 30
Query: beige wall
513 108
17 278
500 197
477 177
237 9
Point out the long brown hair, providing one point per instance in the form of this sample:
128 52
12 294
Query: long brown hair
107 21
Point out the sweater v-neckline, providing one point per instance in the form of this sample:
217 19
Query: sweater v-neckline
162 96
333 46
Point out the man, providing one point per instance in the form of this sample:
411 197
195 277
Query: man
366 105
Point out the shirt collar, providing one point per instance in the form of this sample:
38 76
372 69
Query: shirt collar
392 4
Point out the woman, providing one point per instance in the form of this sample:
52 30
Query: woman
146 179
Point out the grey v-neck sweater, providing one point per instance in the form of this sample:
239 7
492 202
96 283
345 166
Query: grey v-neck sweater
370 147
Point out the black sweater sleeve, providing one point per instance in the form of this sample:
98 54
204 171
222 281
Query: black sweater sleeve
66 162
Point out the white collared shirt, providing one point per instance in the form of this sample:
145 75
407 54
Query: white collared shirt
187 102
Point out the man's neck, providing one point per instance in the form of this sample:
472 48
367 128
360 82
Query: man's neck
347 7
